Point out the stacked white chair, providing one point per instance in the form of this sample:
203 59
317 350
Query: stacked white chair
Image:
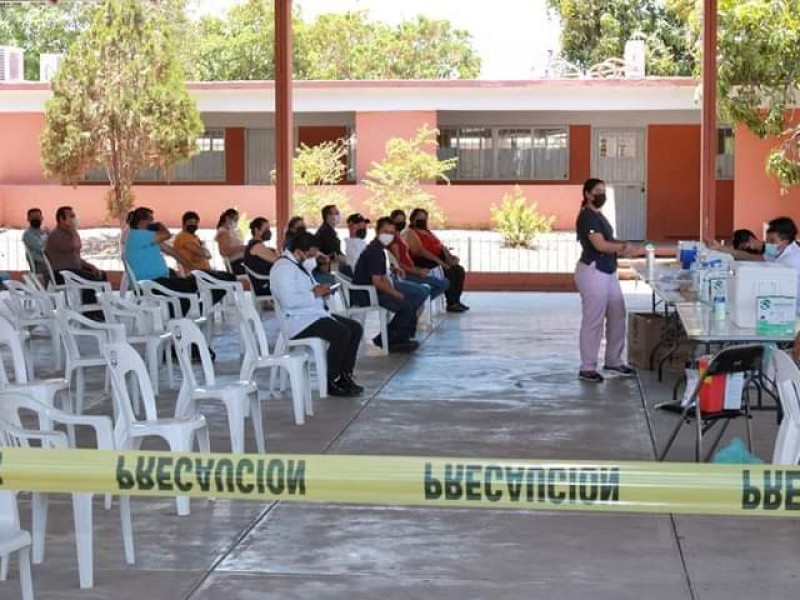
316 349
207 285
240 398
144 326
44 390
13 539
180 433
80 357
12 406
32 310
257 357
77 285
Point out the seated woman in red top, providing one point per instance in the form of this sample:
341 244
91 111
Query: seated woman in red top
399 249
428 252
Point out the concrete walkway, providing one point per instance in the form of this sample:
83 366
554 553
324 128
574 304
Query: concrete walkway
499 381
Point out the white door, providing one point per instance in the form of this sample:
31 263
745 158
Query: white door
618 158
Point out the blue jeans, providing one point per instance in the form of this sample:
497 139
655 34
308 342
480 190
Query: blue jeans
416 293
437 285
403 325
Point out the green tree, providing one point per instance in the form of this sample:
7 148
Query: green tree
316 173
595 30
759 76
396 181
351 46
119 101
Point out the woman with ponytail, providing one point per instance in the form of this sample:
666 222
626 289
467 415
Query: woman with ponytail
602 304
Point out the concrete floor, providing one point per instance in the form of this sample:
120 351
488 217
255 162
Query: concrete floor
499 381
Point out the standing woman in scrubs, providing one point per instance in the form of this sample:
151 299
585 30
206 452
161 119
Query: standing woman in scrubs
602 304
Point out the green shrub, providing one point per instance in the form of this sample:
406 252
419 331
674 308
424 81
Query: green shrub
519 222
317 172
396 182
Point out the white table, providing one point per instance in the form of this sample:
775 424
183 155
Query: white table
703 327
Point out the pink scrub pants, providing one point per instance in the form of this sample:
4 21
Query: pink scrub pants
601 303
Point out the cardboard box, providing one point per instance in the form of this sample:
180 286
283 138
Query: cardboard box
645 331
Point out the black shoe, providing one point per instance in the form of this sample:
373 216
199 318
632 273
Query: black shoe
347 381
336 388
456 308
403 347
623 370
591 376
464 306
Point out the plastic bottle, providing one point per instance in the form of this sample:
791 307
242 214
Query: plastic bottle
650 260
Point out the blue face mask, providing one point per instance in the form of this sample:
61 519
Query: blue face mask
772 250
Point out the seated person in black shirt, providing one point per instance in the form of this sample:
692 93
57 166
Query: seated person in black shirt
258 257
330 247
372 269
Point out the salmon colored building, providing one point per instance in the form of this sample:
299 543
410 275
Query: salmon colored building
641 136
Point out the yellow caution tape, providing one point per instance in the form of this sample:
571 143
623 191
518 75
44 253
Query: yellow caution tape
418 481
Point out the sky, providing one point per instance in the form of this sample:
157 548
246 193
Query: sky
511 36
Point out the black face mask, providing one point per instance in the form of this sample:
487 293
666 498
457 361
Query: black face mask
36 223
399 226
152 227
421 223
191 229
267 235
361 234
598 200
299 231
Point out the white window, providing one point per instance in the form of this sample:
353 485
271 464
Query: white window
259 156
725 145
507 153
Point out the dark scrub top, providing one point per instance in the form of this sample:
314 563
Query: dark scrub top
588 222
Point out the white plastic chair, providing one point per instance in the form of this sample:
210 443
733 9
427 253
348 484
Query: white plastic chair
52 286
360 313
31 310
14 539
316 349
208 284
257 356
240 398
43 390
12 406
74 327
180 433
787 381
144 327
76 285
257 277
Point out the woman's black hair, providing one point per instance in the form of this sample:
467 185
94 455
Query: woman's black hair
257 224
293 222
588 186
414 213
741 237
231 212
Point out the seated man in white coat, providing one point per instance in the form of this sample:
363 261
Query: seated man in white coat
302 301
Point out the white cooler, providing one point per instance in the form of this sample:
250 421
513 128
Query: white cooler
754 279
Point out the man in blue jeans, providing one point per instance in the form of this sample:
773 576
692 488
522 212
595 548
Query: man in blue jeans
404 300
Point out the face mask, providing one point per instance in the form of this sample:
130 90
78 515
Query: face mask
310 264
337 219
421 223
234 225
267 235
36 223
191 229
400 226
75 222
361 234
772 250
300 230
152 227
386 238
598 200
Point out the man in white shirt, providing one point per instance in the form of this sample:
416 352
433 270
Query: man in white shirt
355 244
302 301
781 247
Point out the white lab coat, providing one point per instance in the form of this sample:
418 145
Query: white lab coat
292 286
